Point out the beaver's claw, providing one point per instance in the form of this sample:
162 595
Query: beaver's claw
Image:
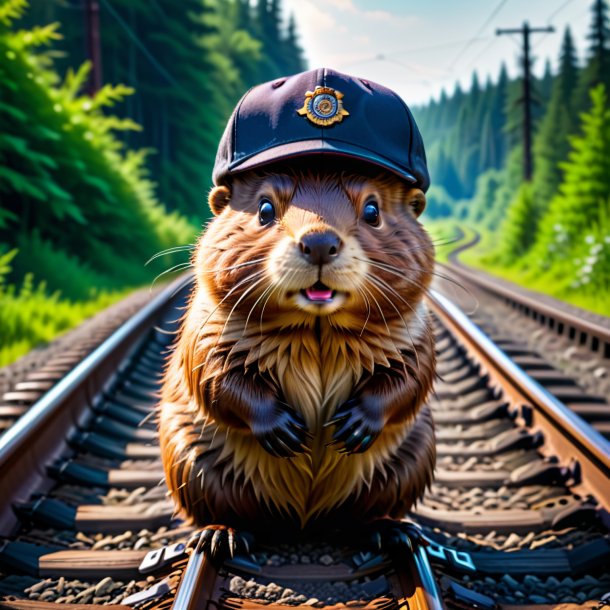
355 431
283 436
221 542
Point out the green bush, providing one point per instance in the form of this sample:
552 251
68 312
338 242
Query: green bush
30 316
64 173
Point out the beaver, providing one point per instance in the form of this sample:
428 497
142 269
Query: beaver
294 398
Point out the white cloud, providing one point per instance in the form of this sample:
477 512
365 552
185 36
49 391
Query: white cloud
343 5
380 15
409 46
311 16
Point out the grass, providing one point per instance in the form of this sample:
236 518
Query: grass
552 282
446 236
30 317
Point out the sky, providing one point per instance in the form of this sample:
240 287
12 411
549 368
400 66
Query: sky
418 48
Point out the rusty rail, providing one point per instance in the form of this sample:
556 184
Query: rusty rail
567 435
579 330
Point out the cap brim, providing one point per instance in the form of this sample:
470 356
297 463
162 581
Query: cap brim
317 147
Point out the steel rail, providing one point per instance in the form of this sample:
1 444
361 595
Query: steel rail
567 435
562 322
40 434
418 587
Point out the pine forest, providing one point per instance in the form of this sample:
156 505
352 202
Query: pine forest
550 233
102 170
95 182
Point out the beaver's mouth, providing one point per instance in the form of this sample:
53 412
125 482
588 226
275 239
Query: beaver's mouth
319 293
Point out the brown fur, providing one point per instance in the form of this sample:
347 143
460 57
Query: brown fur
246 349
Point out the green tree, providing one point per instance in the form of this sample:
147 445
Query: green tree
482 203
597 68
518 229
293 53
585 191
509 182
551 143
71 192
439 204
189 61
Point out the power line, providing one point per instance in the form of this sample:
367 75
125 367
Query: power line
555 13
550 18
488 46
443 45
479 32
168 77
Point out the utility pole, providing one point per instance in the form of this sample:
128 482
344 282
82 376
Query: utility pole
525 31
92 30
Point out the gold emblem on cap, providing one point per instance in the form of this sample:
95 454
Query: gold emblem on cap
323 106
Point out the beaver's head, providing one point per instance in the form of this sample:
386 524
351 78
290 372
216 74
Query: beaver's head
313 242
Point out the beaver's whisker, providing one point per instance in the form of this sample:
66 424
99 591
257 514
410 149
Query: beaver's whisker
231 291
238 266
400 273
241 298
382 284
368 309
251 277
381 313
178 267
170 251
379 281
262 296
277 285
386 325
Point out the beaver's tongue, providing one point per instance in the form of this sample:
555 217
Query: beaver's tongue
319 292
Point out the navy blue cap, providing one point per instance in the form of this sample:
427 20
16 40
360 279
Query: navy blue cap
322 112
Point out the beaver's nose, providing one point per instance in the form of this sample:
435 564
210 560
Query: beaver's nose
319 248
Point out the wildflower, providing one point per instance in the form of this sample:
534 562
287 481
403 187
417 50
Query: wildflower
590 239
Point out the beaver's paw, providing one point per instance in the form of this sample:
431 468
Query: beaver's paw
356 430
221 542
282 435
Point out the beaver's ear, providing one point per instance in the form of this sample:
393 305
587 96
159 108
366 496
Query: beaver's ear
416 200
219 198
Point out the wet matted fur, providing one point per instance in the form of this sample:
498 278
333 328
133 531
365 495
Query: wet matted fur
251 347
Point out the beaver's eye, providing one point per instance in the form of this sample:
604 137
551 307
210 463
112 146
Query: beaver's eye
371 213
266 212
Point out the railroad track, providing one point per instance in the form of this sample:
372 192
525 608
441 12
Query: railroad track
517 515
565 349
27 380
